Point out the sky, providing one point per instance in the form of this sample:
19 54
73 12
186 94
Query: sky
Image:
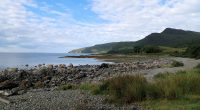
58 26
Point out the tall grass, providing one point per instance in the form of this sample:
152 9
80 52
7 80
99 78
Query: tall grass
128 89
124 88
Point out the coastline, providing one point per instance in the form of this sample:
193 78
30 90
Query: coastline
16 83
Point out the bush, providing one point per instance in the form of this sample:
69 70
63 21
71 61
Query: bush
39 84
136 50
67 87
89 86
152 49
125 88
198 66
177 64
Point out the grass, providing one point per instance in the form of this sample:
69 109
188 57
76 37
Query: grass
124 88
191 102
170 50
94 88
166 92
67 87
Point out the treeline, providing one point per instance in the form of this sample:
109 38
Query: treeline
136 50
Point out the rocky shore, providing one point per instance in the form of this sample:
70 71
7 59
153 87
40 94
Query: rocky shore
14 81
18 83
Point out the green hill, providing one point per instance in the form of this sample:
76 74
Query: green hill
103 48
169 38
172 38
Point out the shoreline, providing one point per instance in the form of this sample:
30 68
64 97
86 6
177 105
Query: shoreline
54 75
46 79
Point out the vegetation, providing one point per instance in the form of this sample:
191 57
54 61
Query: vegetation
180 90
177 64
167 91
190 102
198 66
67 87
193 51
137 50
39 84
124 88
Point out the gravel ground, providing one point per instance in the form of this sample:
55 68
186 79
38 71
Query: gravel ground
59 100
188 64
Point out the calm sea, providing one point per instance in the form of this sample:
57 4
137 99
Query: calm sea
32 59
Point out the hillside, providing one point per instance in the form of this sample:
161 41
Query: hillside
103 48
172 38
169 38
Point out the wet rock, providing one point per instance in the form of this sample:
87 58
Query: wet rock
103 65
70 65
81 75
3 78
62 66
8 85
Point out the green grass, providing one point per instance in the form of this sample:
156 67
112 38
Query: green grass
67 87
191 102
167 91
94 88
124 88
181 89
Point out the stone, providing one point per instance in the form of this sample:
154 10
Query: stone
71 65
50 66
103 65
8 84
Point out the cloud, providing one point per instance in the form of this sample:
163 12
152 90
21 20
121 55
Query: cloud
26 25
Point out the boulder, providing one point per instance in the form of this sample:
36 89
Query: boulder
8 84
50 66
103 65
71 65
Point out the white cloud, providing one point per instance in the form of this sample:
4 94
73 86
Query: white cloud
22 29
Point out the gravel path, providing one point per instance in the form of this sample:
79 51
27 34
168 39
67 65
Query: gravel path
188 64
59 100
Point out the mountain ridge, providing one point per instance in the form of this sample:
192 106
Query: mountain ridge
169 37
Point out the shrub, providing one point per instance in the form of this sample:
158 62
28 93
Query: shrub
39 84
24 84
67 87
89 86
125 88
193 51
152 49
198 66
177 64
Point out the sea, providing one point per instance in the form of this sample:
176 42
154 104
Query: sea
20 60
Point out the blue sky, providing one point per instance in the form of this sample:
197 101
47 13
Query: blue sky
63 25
